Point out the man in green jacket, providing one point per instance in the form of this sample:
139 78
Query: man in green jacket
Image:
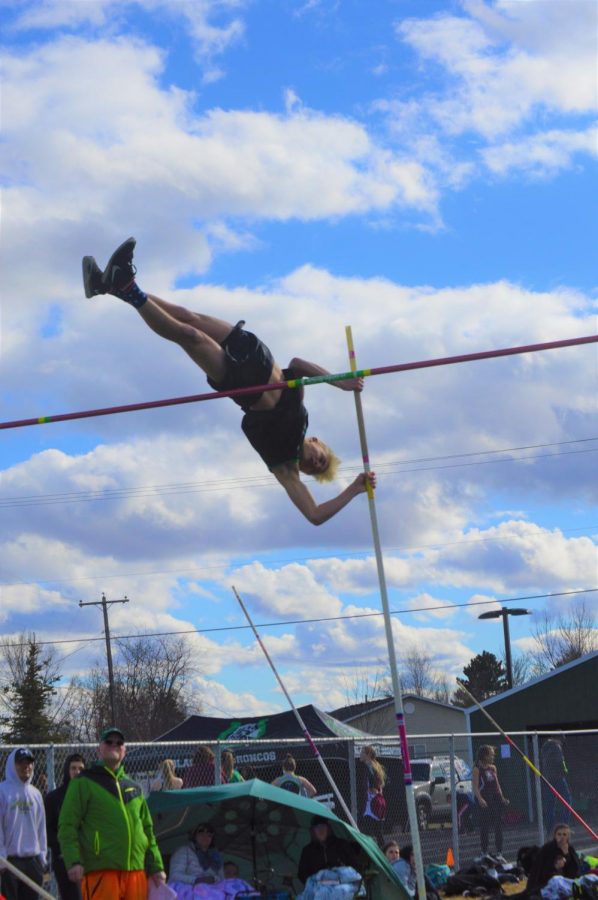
105 829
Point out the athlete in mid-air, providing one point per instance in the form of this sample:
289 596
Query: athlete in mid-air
275 422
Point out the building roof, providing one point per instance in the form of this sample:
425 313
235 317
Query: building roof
554 673
355 710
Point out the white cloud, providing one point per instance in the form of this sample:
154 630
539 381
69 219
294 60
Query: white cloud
520 77
209 38
541 154
481 603
507 60
426 607
218 700
519 555
140 147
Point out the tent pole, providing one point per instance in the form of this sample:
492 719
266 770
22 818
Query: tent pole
300 721
392 658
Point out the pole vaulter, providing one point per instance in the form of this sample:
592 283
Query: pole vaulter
297 714
528 762
392 657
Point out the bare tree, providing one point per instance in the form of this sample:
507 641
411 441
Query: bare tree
441 690
153 680
521 666
561 638
417 672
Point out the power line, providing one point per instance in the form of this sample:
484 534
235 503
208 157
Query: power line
192 487
287 622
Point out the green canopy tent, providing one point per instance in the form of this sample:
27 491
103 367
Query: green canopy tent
263 829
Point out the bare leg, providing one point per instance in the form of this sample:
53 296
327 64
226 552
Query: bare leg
203 349
217 329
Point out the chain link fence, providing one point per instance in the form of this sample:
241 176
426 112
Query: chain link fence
441 765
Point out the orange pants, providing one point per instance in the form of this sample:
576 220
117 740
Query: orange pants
108 884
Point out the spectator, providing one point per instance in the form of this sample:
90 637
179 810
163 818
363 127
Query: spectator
554 768
375 805
230 869
105 829
202 771
489 797
73 766
391 851
557 857
404 866
197 861
22 826
231 774
290 781
167 779
325 850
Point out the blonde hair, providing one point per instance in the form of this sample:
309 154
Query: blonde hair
168 774
331 471
374 765
228 763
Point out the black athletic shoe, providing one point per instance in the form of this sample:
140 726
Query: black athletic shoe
92 277
120 271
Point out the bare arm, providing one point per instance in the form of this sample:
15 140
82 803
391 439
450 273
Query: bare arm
300 495
311 791
304 369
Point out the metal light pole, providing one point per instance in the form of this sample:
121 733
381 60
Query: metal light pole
504 614
105 604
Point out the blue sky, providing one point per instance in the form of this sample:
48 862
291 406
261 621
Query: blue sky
424 172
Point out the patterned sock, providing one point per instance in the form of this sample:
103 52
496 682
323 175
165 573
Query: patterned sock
132 294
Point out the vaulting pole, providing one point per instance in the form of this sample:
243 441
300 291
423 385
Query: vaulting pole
300 382
300 721
528 762
392 658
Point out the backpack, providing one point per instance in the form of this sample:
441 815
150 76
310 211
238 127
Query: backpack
438 875
526 857
378 806
479 884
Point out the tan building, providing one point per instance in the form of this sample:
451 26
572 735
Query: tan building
429 723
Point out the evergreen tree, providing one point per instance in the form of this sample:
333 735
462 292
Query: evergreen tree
30 699
485 676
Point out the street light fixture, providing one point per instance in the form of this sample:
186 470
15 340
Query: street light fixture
504 614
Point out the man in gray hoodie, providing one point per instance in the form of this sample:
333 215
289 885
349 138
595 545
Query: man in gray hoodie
22 826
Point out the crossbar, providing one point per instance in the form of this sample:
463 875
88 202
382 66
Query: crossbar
301 382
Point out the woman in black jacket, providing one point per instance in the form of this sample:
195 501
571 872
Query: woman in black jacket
325 850
557 857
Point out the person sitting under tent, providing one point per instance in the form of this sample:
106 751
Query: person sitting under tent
274 422
325 850
197 861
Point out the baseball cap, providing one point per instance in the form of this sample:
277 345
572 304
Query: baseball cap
319 820
24 753
108 731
